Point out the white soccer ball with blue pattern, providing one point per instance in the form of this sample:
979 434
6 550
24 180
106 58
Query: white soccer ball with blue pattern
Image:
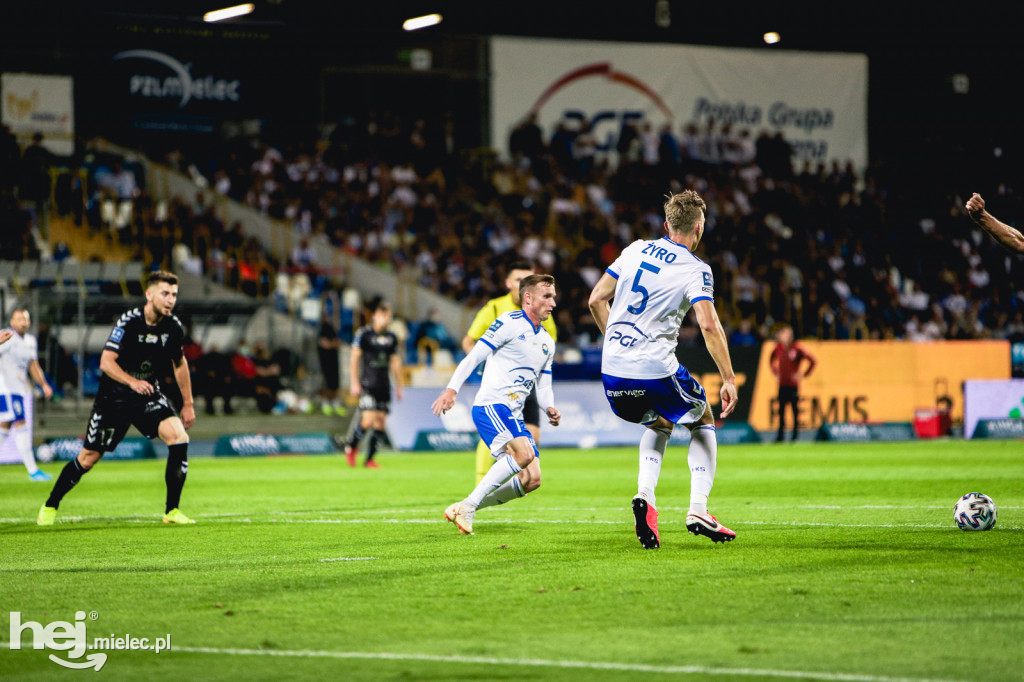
975 511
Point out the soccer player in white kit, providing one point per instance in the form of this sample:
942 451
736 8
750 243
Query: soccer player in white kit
639 304
19 359
519 352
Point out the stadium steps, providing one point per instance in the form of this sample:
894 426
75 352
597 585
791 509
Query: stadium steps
85 243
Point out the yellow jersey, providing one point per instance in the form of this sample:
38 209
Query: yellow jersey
498 306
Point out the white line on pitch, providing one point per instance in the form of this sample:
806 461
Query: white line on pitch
663 522
540 663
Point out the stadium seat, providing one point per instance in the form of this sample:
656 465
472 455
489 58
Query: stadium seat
9 274
223 337
131 278
48 274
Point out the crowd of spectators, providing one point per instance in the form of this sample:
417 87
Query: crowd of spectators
21 184
837 252
834 250
226 375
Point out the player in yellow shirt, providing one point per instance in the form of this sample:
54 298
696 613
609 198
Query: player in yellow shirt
490 311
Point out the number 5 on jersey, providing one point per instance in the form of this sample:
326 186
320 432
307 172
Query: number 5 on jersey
645 295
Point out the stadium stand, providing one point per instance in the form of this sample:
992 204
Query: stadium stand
824 248
827 249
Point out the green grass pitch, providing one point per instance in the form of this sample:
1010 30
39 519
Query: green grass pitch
847 566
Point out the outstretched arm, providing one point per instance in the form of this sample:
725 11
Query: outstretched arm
480 352
1009 237
718 346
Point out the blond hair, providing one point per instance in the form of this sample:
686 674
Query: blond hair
682 210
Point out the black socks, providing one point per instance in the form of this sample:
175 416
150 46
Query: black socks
372 441
70 475
175 473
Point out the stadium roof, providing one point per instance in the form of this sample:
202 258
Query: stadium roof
803 24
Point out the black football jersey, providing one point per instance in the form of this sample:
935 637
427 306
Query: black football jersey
144 351
377 351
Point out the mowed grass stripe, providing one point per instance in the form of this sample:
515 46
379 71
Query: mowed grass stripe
569 665
664 522
847 564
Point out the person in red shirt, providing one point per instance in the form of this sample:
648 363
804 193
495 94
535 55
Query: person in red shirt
787 361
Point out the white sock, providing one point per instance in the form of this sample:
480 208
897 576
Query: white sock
495 476
702 457
511 489
652 451
5 433
23 441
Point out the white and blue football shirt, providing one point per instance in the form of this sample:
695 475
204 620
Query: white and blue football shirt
658 282
521 353
15 357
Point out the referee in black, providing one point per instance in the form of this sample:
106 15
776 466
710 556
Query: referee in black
140 346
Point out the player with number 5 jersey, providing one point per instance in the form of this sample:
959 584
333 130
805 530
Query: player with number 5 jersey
639 304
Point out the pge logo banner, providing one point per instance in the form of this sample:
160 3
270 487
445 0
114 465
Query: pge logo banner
817 101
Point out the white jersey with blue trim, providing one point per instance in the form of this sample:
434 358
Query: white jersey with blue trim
658 282
521 353
15 357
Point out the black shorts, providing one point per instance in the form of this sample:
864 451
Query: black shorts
373 398
531 409
112 415
788 394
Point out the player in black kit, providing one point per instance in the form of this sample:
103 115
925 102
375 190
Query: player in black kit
142 344
374 359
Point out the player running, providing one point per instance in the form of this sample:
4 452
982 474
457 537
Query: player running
651 286
18 360
143 342
485 317
519 352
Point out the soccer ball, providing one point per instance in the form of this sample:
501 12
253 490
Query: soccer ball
975 511
44 453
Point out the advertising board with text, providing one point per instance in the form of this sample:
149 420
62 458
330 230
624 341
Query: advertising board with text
879 381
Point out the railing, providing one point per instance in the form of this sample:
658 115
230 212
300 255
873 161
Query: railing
410 300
